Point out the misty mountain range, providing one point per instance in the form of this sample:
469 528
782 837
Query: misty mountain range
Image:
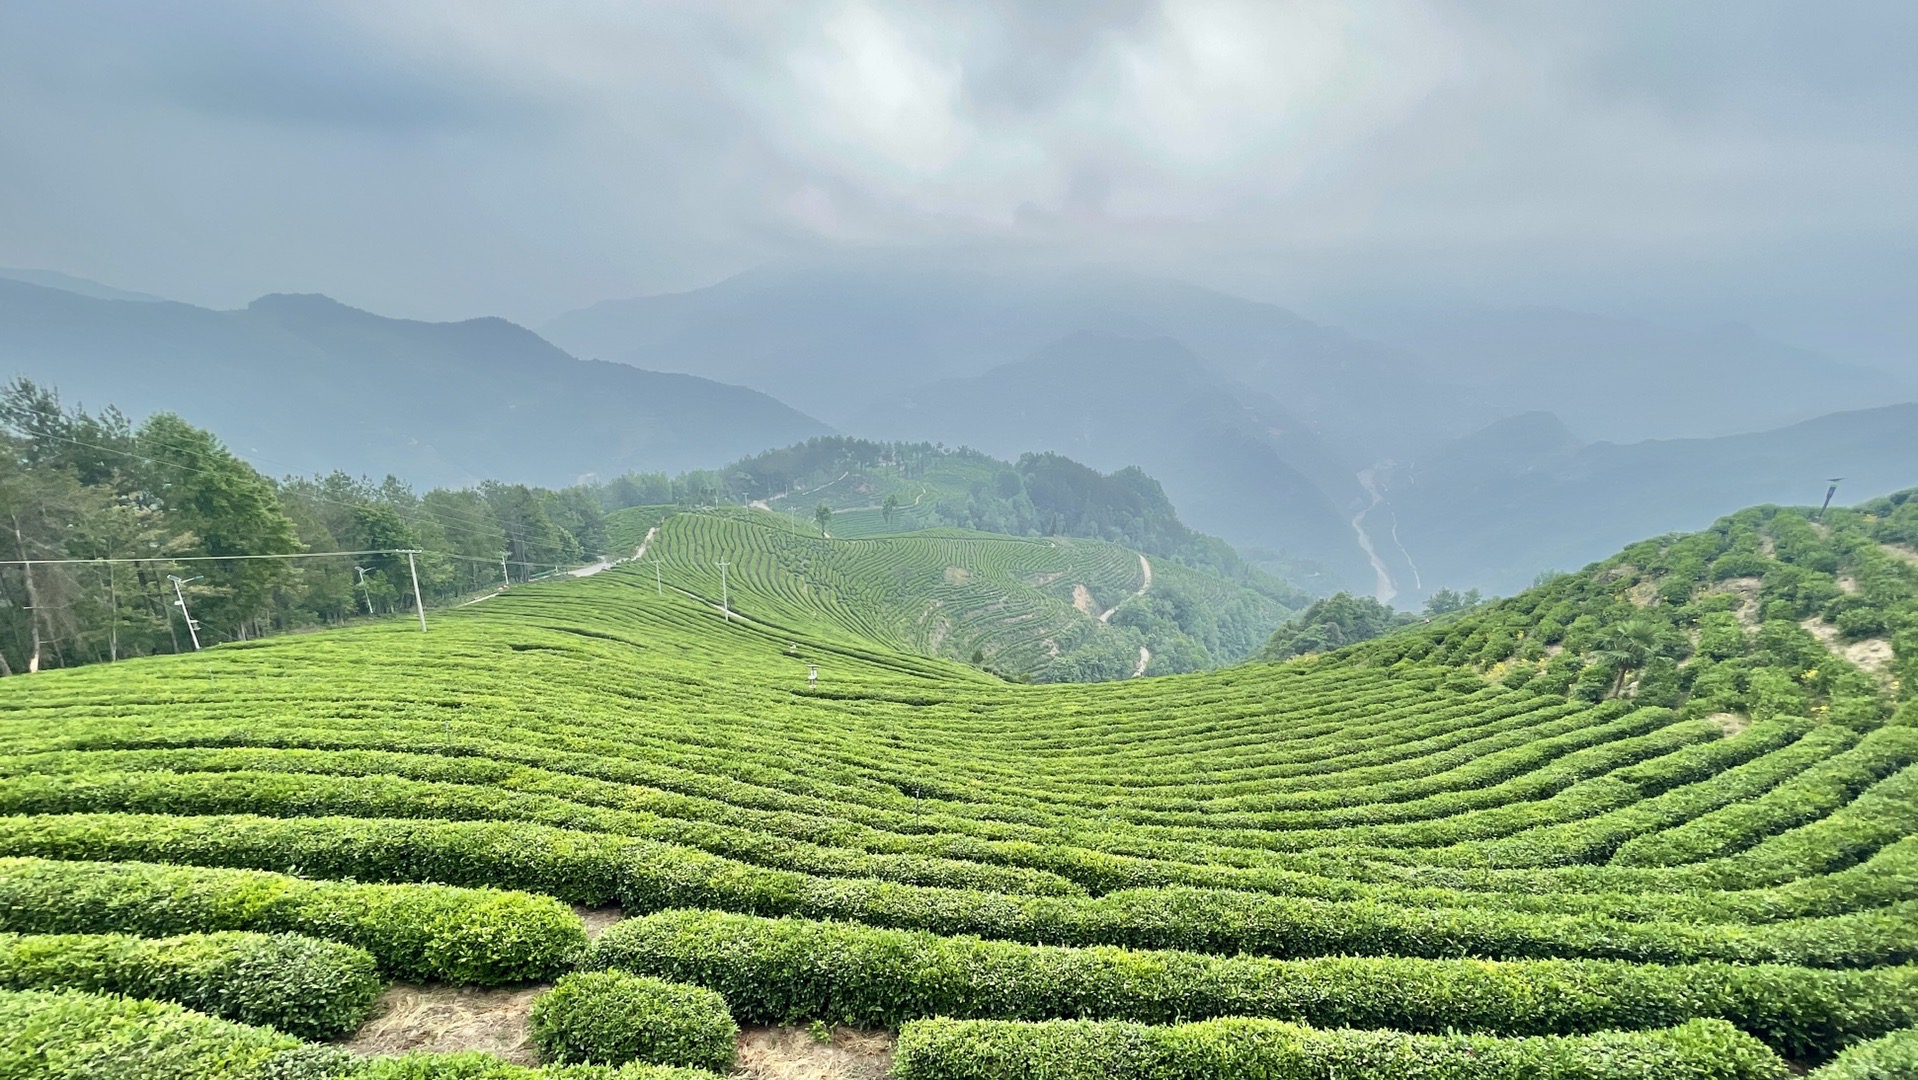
1473 449
302 384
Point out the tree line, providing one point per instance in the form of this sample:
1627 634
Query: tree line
165 499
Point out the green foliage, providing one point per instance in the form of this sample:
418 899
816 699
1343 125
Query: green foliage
1270 1050
613 1017
313 989
1333 623
1893 1057
78 1036
414 931
81 1036
1647 793
784 970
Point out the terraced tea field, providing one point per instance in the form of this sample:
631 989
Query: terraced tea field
1053 608
1447 854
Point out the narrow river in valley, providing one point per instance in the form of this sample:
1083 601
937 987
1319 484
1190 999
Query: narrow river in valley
1384 588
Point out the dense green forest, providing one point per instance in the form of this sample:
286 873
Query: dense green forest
168 499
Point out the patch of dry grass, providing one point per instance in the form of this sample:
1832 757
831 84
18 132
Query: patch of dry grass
450 1018
598 919
791 1053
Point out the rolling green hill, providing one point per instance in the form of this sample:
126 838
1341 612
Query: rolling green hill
1054 609
1655 818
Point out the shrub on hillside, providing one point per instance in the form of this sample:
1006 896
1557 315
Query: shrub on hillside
613 1017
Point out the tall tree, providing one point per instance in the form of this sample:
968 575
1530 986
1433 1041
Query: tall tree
232 509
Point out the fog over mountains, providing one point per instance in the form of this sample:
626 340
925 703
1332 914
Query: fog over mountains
1467 449
1260 422
303 384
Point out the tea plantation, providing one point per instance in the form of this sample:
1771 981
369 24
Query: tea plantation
1658 818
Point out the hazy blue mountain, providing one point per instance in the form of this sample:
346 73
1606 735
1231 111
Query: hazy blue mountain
1625 380
303 384
54 279
1524 495
837 338
1235 461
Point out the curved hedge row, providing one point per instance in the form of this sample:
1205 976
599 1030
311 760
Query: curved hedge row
1241 1049
286 795
421 932
597 869
313 989
60 1036
783 970
57 1036
1816 793
643 876
1211 921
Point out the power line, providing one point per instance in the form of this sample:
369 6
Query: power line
197 558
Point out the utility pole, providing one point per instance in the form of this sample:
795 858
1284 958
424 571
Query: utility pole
1829 492
506 579
658 584
419 605
364 591
725 605
179 599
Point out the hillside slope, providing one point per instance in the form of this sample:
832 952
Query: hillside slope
1235 461
1053 609
1328 851
304 384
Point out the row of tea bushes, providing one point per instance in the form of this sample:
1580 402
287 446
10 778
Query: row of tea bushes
784 970
429 933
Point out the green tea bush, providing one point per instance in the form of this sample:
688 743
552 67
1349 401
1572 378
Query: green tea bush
72 1035
785 970
1218 921
613 1017
313 989
420 932
1238 1049
1893 1057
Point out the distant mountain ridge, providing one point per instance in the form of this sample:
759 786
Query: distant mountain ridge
1264 427
1234 460
1525 495
304 383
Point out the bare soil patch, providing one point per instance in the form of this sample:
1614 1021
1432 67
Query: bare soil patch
1746 589
1870 654
1900 551
1082 599
598 919
446 1019
1730 723
1642 594
957 575
790 1053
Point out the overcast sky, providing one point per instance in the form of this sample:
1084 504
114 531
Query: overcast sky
446 158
